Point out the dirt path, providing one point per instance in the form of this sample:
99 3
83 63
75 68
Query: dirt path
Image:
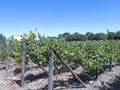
102 83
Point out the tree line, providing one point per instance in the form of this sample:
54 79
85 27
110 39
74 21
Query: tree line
82 37
90 36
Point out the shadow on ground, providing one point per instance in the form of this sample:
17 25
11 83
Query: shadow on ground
32 77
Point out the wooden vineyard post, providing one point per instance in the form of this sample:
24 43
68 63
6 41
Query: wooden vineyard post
110 65
0 45
0 49
50 78
8 57
23 63
60 58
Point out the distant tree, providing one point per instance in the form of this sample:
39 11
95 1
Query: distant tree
117 35
82 37
90 35
110 35
76 36
100 36
69 38
65 34
60 36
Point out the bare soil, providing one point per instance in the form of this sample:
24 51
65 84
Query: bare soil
36 79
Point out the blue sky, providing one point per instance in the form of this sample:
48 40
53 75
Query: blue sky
53 17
